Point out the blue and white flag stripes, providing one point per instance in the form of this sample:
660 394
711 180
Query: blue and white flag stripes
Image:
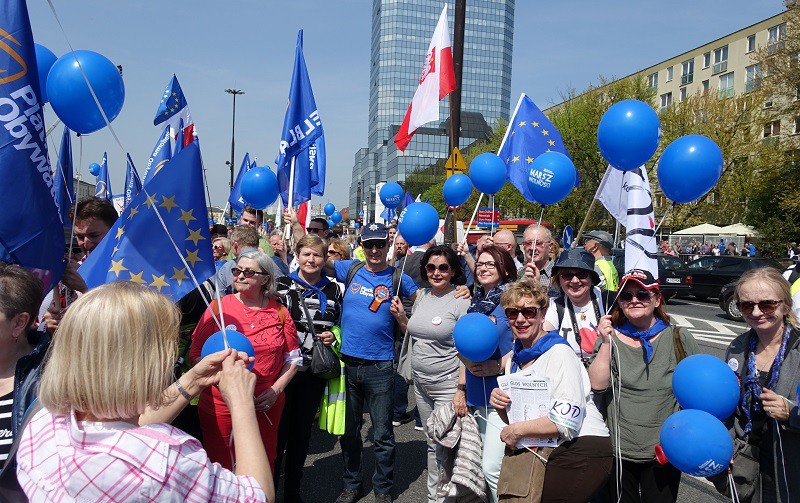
139 249
235 200
529 134
63 179
103 187
302 127
178 139
133 185
31 232
160 156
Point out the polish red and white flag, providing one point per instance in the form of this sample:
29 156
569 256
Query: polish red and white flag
438 79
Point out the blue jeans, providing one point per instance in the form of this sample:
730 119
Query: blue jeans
371 383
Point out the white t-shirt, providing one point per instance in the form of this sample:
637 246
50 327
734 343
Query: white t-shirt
585 317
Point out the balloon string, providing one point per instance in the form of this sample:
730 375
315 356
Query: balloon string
472 219
536 235
402 270
491 226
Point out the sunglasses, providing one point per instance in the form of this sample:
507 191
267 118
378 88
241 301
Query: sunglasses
369 245
765 306
218 247
529 313
334 252
568 275
248 273
443 268
642 296
314 229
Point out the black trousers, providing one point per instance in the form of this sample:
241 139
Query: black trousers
646 483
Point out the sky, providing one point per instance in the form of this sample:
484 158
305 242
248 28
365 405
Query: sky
249 45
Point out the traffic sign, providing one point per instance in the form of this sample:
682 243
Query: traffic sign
567 237
455 163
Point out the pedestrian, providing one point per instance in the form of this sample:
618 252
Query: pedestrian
220 246
338 250
599 244
282 257
537 245
254 218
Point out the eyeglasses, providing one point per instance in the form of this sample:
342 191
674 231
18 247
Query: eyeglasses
369 245
765 306
443 268
529 313
568 275
218 247
642 296
314 229
248 273
539 243
334 252
488 265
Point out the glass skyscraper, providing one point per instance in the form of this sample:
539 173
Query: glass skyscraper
401 32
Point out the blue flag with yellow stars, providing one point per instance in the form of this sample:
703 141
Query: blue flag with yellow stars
173 102
530 133
139 248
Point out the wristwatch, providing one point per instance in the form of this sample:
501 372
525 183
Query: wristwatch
462 387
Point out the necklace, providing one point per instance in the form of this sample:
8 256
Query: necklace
246 309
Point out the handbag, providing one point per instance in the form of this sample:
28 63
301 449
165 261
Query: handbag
745 470
522 475
324 362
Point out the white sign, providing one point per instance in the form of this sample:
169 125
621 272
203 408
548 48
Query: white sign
530 399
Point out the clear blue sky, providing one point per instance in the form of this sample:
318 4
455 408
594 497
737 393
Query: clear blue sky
249 45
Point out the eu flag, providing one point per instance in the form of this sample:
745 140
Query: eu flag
173 102
302 128
139 248
530 133
103 187
31 231
133 185
235 200
63 178
160 156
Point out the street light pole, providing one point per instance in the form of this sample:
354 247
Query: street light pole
234 92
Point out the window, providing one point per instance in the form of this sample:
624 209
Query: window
768 101
683 93
652 80
705 86
669 74
772 129
720 60
751 43
666 100
752 76
776 34
706 60
687 72
726 85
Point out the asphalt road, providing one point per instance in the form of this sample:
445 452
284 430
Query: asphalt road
322 477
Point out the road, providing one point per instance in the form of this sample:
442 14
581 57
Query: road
322 478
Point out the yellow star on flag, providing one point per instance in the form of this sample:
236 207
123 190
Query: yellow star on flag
515 159
521 123
535 124
545 132
120 231
548 150
186 216
137 278
180 275
115 250
150 201
117 267
158 281
192 257
513 132
529 159
133 212
194 236
551 143
168 203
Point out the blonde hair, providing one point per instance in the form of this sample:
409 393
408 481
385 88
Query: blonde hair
113 353
775 279
341 247
225 243
525 288
312 241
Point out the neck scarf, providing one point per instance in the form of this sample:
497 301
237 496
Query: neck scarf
751 401
315 288
486 302
522 355
644 336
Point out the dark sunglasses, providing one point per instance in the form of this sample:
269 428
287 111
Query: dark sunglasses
443 268
642 296
314 229
765 306
334 252
248 273
528 313
368 245
218 247
568 275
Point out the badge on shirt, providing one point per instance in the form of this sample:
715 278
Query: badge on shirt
733 363
437 320
381 295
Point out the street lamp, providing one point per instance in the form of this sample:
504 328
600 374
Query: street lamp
234 92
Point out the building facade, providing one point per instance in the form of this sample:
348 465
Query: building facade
401 32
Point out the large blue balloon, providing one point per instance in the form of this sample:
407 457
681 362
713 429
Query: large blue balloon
329 209
391 195
70 96
94 169
697 443
236 340
418 223
706 383
456 190
551 177
628 134
259 187
44 62
488 173
336 217
689 167
475 336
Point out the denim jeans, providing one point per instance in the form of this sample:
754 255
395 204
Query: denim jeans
371 384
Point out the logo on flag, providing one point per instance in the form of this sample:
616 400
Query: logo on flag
160 156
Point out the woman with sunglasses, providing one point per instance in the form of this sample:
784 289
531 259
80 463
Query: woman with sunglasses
338 250
434 359
255 312
221 247
766 359
638 378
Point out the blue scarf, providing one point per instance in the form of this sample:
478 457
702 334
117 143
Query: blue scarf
485 302
751 401
315 288
644 336
522 355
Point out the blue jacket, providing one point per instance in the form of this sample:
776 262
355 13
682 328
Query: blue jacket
26 381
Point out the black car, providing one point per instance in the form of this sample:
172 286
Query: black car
673 275
727 304
711 273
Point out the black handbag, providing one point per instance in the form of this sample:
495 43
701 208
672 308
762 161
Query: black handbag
324 362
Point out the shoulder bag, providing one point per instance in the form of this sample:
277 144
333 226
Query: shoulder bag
324 362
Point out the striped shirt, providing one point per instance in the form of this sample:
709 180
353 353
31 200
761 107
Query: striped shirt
62 459
6 404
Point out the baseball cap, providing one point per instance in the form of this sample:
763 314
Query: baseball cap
642 277
602 237
374 231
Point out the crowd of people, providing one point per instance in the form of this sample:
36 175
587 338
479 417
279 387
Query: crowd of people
697 248
120 416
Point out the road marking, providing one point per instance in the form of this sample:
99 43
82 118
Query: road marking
722 328
682 321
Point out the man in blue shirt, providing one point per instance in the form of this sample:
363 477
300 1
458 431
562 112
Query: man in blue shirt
368 329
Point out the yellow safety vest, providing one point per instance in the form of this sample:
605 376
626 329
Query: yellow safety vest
360 255
332 406
609 273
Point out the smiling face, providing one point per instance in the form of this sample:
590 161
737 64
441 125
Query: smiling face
486 270
375 251
576 283
755 291
438 271
218 249
525 328
639 311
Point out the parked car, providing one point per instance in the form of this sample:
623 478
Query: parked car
727 304
710 273
673 275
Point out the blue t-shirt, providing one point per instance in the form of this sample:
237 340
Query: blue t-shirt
479 389
366 333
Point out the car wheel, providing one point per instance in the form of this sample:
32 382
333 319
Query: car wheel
733 310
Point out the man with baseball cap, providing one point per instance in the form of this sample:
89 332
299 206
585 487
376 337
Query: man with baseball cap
599 244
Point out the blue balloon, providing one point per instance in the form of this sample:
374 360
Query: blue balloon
456 190
329 209
70 96
475 336
357 225
330 223
336 217
94 169
391 195
418 223
628 134
236 340
259 187
706 383
488 173
689 167
44 62
551 177
697 443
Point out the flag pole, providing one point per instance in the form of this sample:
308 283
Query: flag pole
591 206
287 233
